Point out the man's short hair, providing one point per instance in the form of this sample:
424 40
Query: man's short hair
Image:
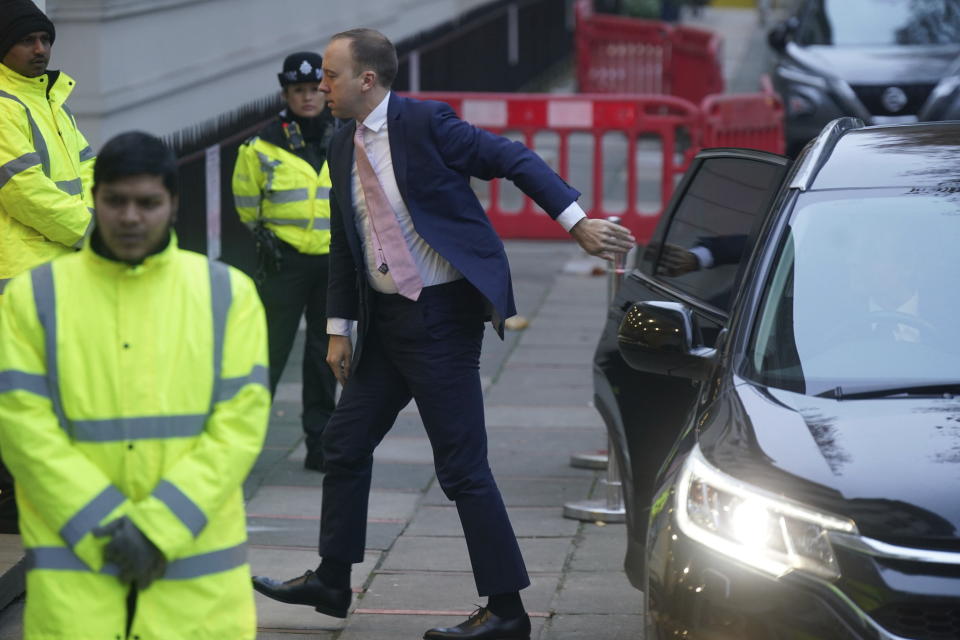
372 50
136 153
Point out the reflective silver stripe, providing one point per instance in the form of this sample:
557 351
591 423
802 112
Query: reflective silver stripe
18 165
57 558
87 154
3 283
203 564
181 505
319 224
286 222
39 144
323 193
12 380
232 386
45 297
69 114
79 243
221 295
90 516
70 187
139 428
113 429
267 165
287 196
246 201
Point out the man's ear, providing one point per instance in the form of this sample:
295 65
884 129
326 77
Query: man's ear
368 80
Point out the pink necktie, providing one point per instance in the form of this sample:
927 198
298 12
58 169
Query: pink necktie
388 241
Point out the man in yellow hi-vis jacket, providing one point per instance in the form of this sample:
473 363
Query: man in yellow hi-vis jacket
133 403
45 162
281 187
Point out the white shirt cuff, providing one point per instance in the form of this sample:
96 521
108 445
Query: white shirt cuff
704 257
571 216
339 326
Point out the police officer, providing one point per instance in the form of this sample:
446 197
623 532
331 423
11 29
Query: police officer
133 403
45 162
281 189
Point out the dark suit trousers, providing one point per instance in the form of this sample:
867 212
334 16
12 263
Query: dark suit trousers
428 350
300 287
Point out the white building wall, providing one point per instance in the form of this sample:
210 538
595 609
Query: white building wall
163 65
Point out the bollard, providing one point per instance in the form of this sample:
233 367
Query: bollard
611 508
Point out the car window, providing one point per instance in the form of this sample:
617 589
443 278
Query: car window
863 294
712 226
879 22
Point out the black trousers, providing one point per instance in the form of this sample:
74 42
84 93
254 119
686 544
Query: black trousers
428 350
300 287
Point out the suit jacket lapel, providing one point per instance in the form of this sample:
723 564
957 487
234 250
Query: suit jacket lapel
398 139
342 179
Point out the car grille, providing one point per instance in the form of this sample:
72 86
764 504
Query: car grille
872 98
920 621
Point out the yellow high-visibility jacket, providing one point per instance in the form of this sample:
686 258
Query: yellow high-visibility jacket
292 199
137 391
46 172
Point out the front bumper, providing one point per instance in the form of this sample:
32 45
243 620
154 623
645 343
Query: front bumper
696 593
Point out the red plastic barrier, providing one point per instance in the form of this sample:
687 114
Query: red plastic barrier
752 120
695 69
616 54
628 119
622 55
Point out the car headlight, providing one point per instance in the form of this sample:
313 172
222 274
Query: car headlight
756 527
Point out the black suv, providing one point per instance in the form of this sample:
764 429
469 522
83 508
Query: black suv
780 378
884 61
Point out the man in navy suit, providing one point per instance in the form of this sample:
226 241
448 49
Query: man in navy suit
420 302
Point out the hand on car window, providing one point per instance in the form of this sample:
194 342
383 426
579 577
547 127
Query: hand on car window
676 261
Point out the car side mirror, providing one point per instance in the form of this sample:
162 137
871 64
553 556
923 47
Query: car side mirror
661 337
777 36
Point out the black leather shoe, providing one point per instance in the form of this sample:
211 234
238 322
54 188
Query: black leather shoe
308 589
483 625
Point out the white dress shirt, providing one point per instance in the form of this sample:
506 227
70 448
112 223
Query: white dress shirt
434 269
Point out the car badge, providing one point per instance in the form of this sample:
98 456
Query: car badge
893 99
306 68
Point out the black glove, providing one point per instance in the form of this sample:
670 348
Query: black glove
139 560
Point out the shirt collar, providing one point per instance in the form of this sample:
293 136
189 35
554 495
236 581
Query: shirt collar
378 117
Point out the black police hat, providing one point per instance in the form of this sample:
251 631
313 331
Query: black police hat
305 66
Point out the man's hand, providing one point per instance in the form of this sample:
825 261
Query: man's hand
675 261
602 238
139 560
339 352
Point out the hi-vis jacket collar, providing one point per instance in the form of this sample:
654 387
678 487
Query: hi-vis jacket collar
150 263
58 93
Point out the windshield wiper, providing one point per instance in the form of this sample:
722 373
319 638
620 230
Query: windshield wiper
942 389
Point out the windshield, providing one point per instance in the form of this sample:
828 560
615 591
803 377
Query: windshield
880 22
863 295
